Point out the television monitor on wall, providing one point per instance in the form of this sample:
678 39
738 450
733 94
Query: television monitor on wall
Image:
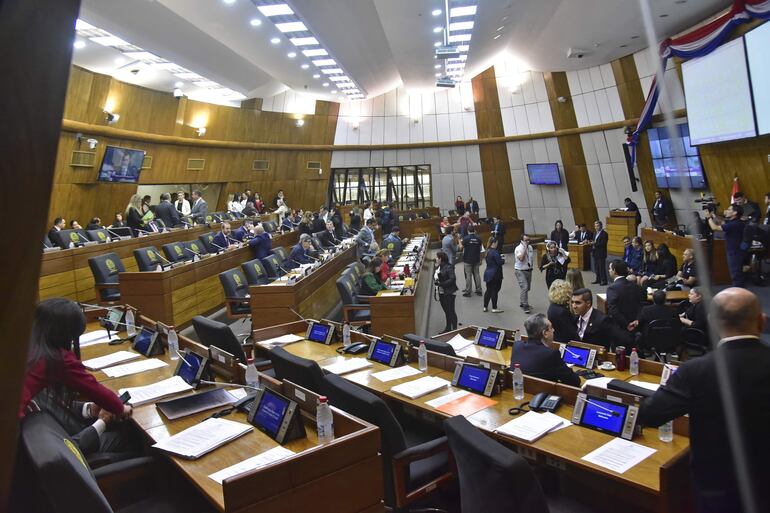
757 43
121 165
664 150
544 174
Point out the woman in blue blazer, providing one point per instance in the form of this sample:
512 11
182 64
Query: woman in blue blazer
493 275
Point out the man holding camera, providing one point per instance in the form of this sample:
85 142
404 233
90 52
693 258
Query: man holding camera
733 228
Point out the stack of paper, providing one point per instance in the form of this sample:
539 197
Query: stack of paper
194 442
260 460
461 403
195 403
155 391
531 426
618 455
109 359
396 373
649 386
95 337
459 343
280 341
349 365
420 387
134 367
598 382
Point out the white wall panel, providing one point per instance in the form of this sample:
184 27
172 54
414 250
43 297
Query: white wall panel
469 125
442 127
459 162
378 105
456 126
473 157
509 123
365 132
429 133
574 83
390 130
378 129
391 103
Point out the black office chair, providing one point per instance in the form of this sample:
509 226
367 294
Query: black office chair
300 371
195 248
255 272
218 334
272 264
147 259
351 272
662 337
236 290
436 346
493 479
101 235
409 471
160 224
359 268
70 238
696 342
105 269
48 243
353 310
316 242
207 239
280 252
175 252
269 226
424 215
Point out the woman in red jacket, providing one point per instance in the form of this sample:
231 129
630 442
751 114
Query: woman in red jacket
54 358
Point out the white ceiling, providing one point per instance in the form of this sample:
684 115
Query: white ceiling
380 44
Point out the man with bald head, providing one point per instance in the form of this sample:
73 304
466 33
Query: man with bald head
698 389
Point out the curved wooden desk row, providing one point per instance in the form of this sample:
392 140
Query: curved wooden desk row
720 274
317 478
513 228
658 483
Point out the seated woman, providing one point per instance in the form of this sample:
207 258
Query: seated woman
666 268
118 221
649 263
562 320
633 255
371 283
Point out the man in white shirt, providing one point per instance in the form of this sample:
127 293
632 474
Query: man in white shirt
368 212
523 262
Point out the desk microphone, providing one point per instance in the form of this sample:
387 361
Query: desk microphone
113 234
235 241
573 353
312 257
217 246
163 258
611 412
81 236
182 357
298 315
187 225
282 268
98 307
195 253
145 231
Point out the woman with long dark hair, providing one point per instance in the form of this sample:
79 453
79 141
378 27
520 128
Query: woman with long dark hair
493 275
447 286
54 362
554 262
560 236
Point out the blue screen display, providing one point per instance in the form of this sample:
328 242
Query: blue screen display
143 340
474 378
604 415
544 174
190 371
488 338
383 352
576 355
270 412
319 332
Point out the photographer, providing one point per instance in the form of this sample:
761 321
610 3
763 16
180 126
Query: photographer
733 228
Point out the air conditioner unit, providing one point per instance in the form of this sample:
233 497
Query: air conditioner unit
447 52
576 53
445 81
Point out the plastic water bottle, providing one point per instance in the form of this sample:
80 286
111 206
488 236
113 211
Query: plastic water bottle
518 383
666 431
633 366
422 357
173 344
324 421
252 376
130 325
346 334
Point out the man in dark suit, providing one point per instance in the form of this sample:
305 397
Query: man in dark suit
599 253
624 298
732 382
199 207
660 210
244 232
581 234
657 311
593 327
299 253
498 232
58 225
261 243
166 212
327 237
472 206
536 358
223 240
633 207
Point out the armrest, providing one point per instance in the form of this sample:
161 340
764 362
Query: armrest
401 463
420 452
237 299
106 285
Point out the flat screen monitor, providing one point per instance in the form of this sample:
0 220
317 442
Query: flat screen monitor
576 355
474 378
544 174
121 165
319 332
718 95
190 366
606 416
144 341
489 338
757 43
270 413
383 351
665 149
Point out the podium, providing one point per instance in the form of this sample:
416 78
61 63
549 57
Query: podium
619 224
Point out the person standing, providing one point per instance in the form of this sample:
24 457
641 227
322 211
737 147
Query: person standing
660 210
447 286
560 236
181 204
523 263
498 232
633 207
471 247
472 206
58 225
733 228
460 206
166 212
599 253
562 320
493 275
554 262
624 299
261 243
199 208
365 239
449 244
751 211
134 214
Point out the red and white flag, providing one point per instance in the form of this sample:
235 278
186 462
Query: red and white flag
736 188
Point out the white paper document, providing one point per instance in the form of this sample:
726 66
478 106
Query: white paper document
396 373
134 367
644 384
439 401
618 455
202 438
598 382
109 359
260 460
531 426
238 393
155 391
95 337
280 341
420 387
459 343
349 365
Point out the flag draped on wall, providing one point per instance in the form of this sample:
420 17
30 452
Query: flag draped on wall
697 43
736 189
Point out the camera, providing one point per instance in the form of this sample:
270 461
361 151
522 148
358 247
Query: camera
708 203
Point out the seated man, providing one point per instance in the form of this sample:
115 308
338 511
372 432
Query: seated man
536 358
223 240
58 225
328 237
696 316
687 275
657 311
244 232
261 242
593 327
394 243
299 253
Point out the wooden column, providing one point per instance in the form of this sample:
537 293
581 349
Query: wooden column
581 195
495 168
37 49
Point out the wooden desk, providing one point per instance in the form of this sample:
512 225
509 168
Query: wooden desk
673 298
579 255
619 224
313 296
513 229
720 274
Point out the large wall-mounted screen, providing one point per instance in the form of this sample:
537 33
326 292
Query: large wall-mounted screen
758 51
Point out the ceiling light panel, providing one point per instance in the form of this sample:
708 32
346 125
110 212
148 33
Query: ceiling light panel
275 10
144 56
304 41
457 38
316 52
325 62
293 26
109 41
340 78
462 15
467 10
460 25
331 71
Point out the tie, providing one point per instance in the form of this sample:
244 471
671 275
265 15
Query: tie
580 327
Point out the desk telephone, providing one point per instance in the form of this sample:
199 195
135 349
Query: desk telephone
355 348
544 402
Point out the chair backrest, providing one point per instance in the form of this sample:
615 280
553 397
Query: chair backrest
300 371
436 346
147 258
105 269
234 283
47 242
663 335
195 245
281 252
269 226
100 235
347 289
255 272
351 272
493 479
216 217
176 252
363 404
359 268
218 334
160 224
64 238
272 265
61 470
207 239
317 244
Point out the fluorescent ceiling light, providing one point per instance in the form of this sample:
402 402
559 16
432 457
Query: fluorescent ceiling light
168 66
437 44
256 22
305 66
325 84
188 76
460 25
315 53
333 91
292 26
229 1
463 48
437 66
79 44
459 37
275 10
316 76
304 41
143 56
108 41
436 12
331 71
178 84
340 78
438 75
206 83
82 25
291 55
438 29
468 10
496 37
325 62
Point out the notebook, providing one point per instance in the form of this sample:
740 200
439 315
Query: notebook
109 359
531 426
153 392
196 403
194 442
346 366
134 367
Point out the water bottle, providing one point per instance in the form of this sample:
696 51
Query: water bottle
173 344
130 326
422 357
666 431
633 365
346 334
252 376
518 383
324 421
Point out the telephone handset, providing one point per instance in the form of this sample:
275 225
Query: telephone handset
544 402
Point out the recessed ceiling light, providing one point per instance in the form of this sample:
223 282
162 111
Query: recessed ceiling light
501 27
468 10
333 91
275 40
664 15
436 12
496 37
339 78
206 83
292 26
463 48
256 22
325 62
459 37
304 41
82 25
317 52
437 66
229 1
275 10
178 84
461 25
438 29
291 55
108 41
438 75
316 76
79 44
331 71
305 66
437 44
120 61
325 84
143 56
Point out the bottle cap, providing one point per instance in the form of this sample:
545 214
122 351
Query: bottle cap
517 366
633 349
323 399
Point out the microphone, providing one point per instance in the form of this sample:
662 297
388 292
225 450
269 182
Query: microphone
145 231
298 314
612 412
312 257
182 357
574 354
235 241
188 225
81 236
113 234
283 269
195 253
99 307
218 246
163 258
